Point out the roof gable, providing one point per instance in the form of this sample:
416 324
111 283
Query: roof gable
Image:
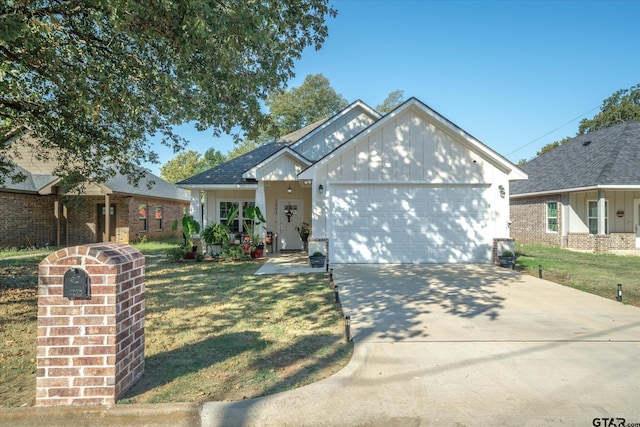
607 157
285 164
439 123
336 130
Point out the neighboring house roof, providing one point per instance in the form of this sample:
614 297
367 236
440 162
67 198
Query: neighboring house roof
149 186
605 158
37 182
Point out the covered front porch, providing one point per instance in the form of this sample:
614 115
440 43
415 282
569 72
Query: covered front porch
602 220
286 205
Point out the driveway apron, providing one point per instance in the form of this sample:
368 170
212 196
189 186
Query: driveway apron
465 345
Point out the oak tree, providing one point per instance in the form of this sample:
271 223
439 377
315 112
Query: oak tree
90 80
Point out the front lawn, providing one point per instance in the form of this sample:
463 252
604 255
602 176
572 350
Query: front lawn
214 331
595 273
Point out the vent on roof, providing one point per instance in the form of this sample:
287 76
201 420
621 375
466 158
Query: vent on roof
584 144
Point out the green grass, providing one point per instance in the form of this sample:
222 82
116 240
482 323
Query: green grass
214 331
595 273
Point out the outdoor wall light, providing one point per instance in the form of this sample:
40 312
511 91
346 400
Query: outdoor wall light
320 189
502 191
289 190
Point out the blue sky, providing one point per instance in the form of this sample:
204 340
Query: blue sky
515 74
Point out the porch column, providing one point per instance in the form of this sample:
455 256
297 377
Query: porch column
566 219
205 209
56 215
261 204
195 208
107 219
601 212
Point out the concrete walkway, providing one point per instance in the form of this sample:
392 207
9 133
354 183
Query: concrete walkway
445 345
465 345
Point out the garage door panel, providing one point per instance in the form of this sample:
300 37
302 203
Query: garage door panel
408 223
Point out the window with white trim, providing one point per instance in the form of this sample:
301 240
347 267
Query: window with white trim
225 206
552 217
592 216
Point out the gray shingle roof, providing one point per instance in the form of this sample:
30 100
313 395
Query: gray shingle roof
608 156
230 172
158 187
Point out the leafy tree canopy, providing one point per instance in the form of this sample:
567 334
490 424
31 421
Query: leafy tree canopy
294 109
290 110
622 106
392 100
189 163
92 79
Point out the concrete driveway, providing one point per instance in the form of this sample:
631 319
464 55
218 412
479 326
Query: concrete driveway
465 345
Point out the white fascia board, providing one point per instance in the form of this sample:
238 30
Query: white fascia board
251 186
575 190
333 119
251 173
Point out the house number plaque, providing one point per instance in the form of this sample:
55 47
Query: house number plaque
76 284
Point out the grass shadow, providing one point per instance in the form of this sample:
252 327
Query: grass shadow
185 361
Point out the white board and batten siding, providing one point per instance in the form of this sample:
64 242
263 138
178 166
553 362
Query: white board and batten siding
411 191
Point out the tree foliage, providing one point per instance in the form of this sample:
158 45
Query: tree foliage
92 79
552 145
189 163
392 100
622 106
294 109
290 110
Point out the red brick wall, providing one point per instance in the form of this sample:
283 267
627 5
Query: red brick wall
601 243
529 221
172 210
90 351
26 219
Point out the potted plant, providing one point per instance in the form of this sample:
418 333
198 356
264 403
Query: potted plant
507 259
190 227
218 235
304 231
253 223
317 259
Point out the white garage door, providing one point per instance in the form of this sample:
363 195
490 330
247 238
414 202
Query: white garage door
377 223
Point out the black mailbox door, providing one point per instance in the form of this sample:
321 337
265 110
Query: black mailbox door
76 284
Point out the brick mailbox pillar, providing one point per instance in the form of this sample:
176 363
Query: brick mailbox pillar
91 306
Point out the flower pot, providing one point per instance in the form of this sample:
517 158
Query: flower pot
507 261
257 252
317 261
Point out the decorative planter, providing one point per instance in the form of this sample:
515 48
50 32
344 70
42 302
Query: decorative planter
192 254
257 252
317 261
507 261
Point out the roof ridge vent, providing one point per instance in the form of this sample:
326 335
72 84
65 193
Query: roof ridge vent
585 143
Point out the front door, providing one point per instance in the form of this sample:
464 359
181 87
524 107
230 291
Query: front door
101 232
290 215
636 221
